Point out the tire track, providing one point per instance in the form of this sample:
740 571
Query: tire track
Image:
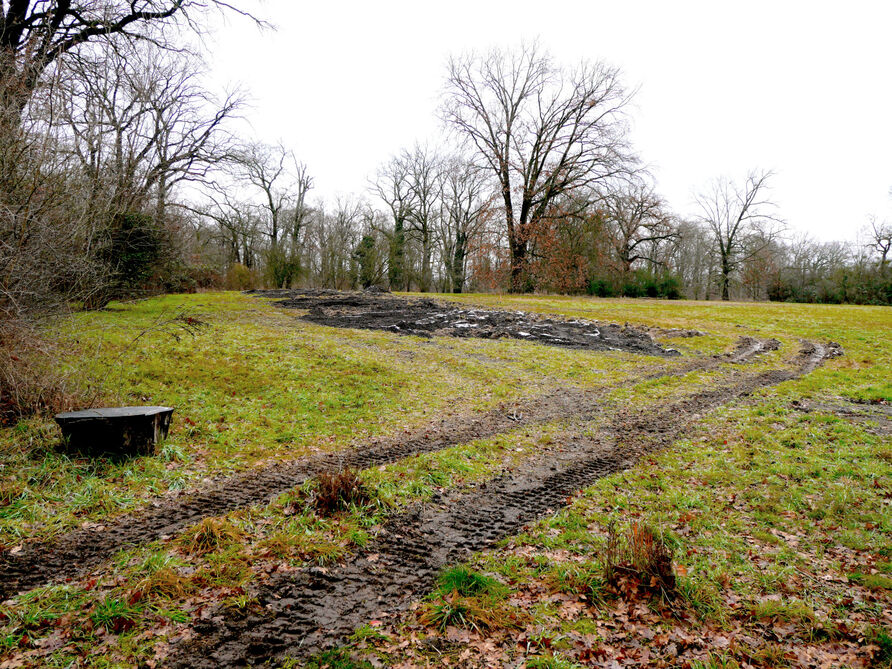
76 552
317 608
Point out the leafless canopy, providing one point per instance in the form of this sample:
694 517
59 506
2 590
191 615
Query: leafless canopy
638 221
542 130
36 33
741 219
880 240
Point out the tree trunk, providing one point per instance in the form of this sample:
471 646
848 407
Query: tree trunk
518 268
726 280
458 264
425 262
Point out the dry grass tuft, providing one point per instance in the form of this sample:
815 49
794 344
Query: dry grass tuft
30 378
209 535
166 582
338 491
640 558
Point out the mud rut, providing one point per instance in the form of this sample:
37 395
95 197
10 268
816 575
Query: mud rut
315 608
76 552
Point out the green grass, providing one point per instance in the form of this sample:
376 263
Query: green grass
256 385
468 583
774 514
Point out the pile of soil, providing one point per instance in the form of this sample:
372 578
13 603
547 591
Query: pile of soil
377 310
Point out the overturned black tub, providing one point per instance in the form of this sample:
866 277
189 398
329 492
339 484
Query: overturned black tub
117 432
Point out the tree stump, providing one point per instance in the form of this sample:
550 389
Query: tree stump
118 432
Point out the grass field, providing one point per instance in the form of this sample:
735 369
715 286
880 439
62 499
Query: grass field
775 505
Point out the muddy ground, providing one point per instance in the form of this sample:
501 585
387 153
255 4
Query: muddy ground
875 417
39 563
301 613
73 554
375 310
311 609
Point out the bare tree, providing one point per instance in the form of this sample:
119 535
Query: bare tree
693 259
140 123
370 254
282 183
334 238
741 221
638 221
424 167
48 219
541 130
466 203
34 34
237 227
409 184
392 186
880 240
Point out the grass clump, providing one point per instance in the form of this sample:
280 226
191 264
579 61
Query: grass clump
770 655
165 583
37 611
872 581
579 578
798 613
208 536
469 583
116 615
338 491
882 639
641 559
338 658
465 598
551 661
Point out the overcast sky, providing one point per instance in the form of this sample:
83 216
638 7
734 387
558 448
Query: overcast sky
801 88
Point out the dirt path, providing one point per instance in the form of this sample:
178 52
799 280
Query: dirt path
76 552
875 417
314 609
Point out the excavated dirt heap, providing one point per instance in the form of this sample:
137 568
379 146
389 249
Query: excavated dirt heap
377 310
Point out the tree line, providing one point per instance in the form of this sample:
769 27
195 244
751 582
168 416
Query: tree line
121 174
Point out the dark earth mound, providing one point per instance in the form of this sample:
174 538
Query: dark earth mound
376 310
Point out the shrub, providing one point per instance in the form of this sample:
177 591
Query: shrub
671 287
600 288
240 277
338 491
32 380
135 246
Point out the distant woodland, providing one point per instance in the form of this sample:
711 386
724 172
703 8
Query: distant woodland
121 175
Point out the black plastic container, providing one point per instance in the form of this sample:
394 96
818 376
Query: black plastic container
118 432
